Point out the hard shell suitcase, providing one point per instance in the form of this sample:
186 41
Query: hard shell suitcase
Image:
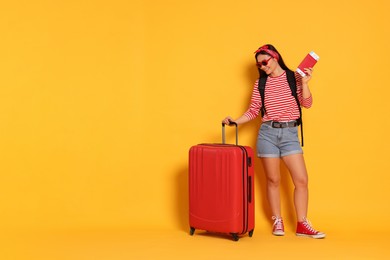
221 188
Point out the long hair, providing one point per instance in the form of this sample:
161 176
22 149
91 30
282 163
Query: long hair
281 61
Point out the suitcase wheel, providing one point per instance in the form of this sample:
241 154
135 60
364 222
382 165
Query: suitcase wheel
251 233
192 231
235 236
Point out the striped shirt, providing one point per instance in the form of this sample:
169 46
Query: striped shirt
280 105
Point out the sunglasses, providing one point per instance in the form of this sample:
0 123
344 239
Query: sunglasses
263 63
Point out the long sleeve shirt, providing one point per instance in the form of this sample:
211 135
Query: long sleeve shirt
280 105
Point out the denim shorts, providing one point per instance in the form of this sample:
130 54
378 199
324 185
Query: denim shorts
277 142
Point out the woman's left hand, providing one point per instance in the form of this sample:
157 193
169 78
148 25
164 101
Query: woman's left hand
308 72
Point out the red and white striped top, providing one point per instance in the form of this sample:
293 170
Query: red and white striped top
280 105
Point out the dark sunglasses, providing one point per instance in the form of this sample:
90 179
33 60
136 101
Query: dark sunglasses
263 63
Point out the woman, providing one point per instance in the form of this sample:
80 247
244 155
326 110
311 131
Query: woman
278 136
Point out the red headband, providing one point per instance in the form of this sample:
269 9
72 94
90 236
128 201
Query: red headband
272 53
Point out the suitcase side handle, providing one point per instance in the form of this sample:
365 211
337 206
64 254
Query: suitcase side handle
223 131
250 189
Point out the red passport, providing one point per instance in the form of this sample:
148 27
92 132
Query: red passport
308 62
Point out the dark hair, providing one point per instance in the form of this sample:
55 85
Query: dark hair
281 61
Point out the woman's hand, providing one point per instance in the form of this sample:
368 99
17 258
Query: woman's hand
239 121
308 72
227 120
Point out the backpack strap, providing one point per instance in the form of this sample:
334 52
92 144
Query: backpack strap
261 86
293 86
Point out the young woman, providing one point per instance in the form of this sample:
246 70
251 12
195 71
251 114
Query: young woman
278 136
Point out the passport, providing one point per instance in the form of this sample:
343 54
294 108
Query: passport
308 62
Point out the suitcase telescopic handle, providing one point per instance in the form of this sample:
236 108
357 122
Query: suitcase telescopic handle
223 131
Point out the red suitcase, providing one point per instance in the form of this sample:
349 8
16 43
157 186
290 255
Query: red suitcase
221 188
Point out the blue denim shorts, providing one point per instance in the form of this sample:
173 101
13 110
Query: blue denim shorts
277 142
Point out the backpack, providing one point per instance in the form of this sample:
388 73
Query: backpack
293 86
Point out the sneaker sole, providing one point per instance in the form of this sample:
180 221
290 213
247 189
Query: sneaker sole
278 233
318 236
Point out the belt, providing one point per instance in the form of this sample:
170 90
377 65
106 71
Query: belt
276 124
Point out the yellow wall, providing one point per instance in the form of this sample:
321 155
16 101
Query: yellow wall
101 100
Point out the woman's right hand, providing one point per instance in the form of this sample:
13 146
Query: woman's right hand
227 120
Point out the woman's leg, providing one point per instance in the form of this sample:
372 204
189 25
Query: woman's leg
297 168
272 172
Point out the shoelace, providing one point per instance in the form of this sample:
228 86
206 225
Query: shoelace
278 222
307 224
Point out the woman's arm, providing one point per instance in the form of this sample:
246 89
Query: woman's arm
305 83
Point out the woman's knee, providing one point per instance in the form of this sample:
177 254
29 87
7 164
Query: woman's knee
301 182
273 181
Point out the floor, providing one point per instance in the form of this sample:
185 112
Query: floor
178 244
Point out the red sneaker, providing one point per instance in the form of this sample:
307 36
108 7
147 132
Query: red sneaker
304 229
278 227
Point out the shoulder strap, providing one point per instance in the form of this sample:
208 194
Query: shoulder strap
292 82
261 86
293 86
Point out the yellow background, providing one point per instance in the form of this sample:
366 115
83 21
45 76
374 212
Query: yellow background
101 100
